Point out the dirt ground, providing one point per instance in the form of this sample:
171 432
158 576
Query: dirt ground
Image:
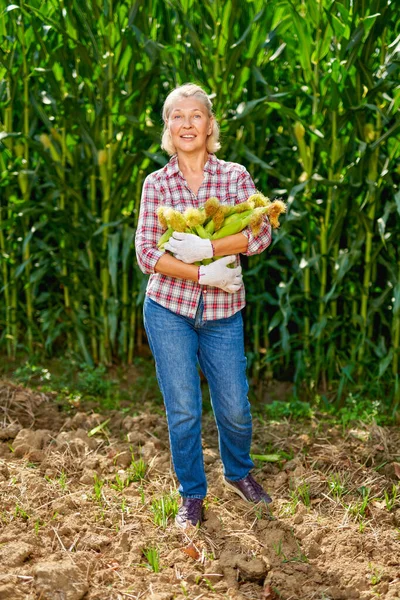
78 522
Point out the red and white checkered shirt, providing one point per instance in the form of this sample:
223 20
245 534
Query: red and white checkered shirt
231 184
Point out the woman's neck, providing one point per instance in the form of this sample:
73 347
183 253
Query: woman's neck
192 165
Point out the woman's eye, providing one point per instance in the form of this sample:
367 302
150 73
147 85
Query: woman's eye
177 117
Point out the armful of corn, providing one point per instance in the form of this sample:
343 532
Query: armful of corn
215 220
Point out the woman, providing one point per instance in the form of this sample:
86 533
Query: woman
192 314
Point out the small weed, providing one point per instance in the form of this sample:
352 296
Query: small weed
359 509
297 409
62 481
135 472
124 508
98 488
29 372
37 526
337 485
376 574
290 507
303 492
31 465
152 555
299 557
120 483
142 496
163 509
209 584
391 499
278 548
137 469
258 511
20 512
362 526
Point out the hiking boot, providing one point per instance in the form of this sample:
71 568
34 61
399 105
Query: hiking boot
249 490
189 513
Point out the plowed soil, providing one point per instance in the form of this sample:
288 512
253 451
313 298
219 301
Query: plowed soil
75 524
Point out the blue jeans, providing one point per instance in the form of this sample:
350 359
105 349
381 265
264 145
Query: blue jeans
178 344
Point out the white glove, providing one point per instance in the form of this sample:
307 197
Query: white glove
219 275
189 248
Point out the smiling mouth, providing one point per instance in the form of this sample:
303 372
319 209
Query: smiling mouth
188 137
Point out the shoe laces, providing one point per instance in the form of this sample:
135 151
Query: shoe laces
193 508
256 486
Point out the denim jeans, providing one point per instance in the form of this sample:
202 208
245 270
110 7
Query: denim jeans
178 345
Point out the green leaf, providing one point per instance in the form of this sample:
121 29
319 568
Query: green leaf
98 428
266 457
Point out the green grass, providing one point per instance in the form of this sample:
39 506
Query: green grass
152 555
164 509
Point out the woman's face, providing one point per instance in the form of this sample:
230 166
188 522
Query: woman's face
189 125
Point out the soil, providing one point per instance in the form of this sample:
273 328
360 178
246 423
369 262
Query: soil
74 526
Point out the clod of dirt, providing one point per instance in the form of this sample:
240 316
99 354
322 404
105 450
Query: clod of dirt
95 541
83 421
88 476
10 432
123 459
4 472
60 580
8 592
77 441
15 554
212 523
28 440
253 569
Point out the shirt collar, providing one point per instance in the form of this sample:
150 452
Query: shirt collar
210 166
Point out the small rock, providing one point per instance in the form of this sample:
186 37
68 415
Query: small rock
33 439
123 459
77 441
292 464
15 554
36 456
253 569
212 522
280 479
137 438
60 580
313 550
4 472
95 541
91 462
88 476
298 520
9 592
9 432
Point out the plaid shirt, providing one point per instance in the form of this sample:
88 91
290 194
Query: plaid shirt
228 181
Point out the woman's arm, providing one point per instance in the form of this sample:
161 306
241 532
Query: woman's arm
171 266
148 230
232 244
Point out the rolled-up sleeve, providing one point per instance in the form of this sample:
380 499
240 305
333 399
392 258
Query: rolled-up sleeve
148 230
258 243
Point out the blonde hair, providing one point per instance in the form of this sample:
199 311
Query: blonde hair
187 91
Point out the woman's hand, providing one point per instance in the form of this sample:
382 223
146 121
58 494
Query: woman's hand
189 248
218 274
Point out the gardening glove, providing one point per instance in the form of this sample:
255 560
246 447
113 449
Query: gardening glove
219 275
189 248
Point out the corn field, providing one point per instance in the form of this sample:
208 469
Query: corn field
307 95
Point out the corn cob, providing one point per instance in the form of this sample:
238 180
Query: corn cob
215 221
164 238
